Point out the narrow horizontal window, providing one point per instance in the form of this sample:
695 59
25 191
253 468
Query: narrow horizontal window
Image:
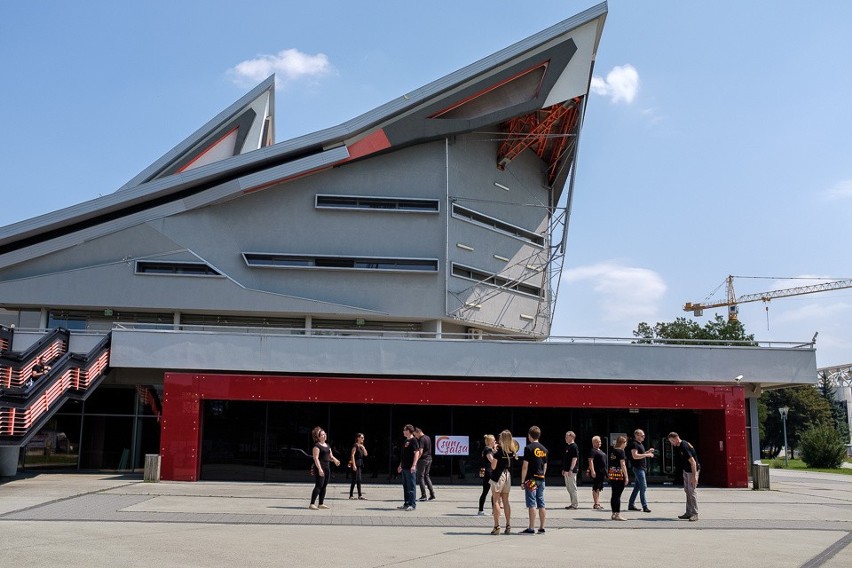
494 280
377 203
272 260
175 268
496 224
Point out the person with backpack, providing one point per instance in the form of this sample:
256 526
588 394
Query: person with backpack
689 466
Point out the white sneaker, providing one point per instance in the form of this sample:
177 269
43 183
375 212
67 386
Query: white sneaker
312 507
480 514
323 507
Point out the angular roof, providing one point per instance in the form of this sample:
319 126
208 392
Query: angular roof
535 89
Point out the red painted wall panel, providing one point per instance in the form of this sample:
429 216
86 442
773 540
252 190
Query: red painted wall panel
722 419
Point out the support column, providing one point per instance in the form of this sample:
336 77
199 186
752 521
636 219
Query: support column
753 430
9 460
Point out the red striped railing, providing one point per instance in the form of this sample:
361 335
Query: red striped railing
72 376
11 376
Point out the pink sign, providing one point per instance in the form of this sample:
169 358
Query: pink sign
452 445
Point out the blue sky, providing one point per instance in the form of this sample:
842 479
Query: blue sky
717 140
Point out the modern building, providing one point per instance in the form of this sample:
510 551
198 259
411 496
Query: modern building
400 267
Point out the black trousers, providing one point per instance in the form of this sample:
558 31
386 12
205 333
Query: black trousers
486 489
356 479
615 501
320 484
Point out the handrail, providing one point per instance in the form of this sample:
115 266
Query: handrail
16 368
23 410
443 336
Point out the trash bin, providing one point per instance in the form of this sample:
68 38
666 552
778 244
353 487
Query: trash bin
152 468
759 476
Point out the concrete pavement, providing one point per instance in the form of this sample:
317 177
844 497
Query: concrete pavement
103 520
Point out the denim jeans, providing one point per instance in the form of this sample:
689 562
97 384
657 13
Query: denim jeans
409 490
640 485
535 498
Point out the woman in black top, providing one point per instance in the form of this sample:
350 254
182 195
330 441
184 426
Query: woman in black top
501 478
617 474
597 471
485 471
322 468
356 463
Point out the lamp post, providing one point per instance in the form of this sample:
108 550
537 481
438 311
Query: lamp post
783 411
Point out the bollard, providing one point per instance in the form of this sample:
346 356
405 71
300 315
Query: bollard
759 476
152 468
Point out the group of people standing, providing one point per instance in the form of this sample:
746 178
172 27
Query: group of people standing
498 456
496 473
618 476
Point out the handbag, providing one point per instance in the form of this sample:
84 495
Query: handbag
481 472
615 474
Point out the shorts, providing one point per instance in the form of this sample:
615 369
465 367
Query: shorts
503 485
598 482
535 498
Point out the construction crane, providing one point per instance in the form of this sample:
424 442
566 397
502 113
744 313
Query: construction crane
732 300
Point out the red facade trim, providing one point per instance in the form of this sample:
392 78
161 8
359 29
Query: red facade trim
722 409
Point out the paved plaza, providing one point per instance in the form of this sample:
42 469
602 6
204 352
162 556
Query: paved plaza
111 520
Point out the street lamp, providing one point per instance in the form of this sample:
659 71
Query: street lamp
783 411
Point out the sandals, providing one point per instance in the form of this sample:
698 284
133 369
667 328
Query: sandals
597 506
495 530
508 530
361 498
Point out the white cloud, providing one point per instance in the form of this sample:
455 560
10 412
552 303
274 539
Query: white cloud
624 293
288 65
842 190
620 85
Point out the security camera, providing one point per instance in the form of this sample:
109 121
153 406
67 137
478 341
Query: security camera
738 378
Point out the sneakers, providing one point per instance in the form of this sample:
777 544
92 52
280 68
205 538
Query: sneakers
402 507
409 508
633 508
480 514
572 507
361 498
684 516
541 531
618 517
424 498
646 510
351 498
312 507
432 498
528 531
693 518
323 507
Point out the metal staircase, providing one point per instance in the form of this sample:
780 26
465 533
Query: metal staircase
27 405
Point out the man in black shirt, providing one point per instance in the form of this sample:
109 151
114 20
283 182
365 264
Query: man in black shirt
636 454
689 466
409 454
424 465
570 467
39 369
533 470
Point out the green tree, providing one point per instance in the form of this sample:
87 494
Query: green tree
838 408
823 446
714 331
808 409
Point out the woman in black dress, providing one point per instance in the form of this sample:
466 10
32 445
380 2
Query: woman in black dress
617 474
485 471
597 471
322 468
356 464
